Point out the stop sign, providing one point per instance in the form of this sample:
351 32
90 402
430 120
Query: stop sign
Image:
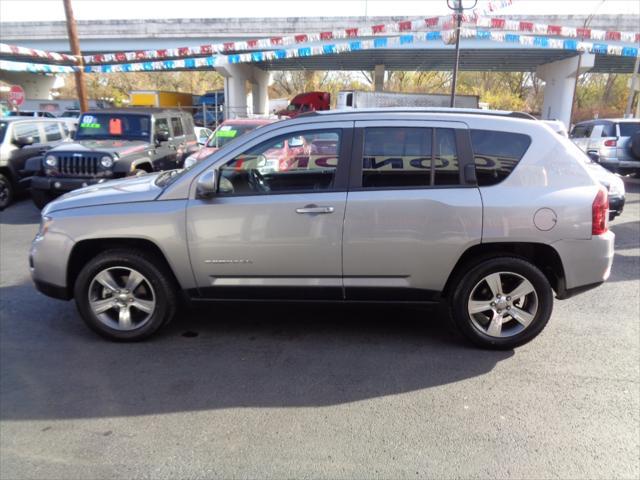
16 95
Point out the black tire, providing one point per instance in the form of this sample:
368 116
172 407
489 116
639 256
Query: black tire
158 276
41 197
6 192
468 282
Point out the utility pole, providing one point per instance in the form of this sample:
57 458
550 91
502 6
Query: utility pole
74 43
633 88
458 9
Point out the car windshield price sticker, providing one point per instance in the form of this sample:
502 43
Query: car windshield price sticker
89 121
115 126
224 132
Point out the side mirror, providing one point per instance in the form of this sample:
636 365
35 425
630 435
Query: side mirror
207 184
162 136
594 156
24 141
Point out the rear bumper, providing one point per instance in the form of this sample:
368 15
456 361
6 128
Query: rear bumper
586 263
615 164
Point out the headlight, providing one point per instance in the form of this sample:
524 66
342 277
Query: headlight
51 161
106 161
45 223
190 161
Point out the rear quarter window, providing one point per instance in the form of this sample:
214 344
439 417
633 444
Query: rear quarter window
496 154
628 129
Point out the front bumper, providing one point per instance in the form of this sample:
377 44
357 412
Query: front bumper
48 260
60 185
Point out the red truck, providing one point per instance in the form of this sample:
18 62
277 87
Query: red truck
307 102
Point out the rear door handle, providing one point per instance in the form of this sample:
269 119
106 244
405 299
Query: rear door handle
314 209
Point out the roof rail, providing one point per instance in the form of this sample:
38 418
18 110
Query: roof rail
469 111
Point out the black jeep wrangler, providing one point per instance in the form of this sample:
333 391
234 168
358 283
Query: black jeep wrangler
113 144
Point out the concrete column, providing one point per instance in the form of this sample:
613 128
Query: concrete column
260 91
236 77
36 86
235 93
378 78
560 79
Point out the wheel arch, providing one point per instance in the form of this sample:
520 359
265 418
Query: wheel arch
543 256
86 249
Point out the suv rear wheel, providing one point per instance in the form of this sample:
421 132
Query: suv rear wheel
125 295
6 192
502 303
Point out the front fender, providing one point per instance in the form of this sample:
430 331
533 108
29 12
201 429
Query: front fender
128 165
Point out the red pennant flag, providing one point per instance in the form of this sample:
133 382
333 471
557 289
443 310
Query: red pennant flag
205 49
121 57
276 40
183 51
637 37
554 29
404 26
615 36
140 55
431 22
326 35
526 26
252 43
351 32
583 32
300 38
98 58
497 23
377 29
228 46
161 53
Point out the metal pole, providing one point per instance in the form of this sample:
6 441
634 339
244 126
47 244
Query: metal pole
74 43
632 89
455 65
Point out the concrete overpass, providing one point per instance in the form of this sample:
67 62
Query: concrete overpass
556 67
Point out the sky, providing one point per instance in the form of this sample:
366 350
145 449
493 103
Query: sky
48 10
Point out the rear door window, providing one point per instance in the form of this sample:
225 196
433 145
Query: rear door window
409 157
496 154
628 129
52 131
176 126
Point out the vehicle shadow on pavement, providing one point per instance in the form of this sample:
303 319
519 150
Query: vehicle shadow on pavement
20 213
224 356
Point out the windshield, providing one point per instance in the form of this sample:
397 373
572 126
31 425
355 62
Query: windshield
628 129
3 129
120 126
225 133
19 114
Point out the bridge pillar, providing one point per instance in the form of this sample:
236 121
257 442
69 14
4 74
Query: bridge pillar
236 77
36 87
378 78
560 78
260 90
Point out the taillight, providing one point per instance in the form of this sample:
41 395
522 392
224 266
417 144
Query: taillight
610 143
600 212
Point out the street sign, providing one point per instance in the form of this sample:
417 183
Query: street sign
16 95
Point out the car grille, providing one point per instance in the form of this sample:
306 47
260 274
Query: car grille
81 166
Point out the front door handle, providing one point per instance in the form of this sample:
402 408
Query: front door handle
314 209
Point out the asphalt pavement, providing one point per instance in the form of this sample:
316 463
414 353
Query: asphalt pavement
318 391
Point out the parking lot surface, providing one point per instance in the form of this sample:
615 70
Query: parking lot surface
274 391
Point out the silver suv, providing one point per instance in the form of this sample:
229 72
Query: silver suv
614 143
485 211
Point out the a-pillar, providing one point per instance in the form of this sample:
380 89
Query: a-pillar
378 78
560 80
260 90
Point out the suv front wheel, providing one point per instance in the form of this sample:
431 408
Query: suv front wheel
502 303
125 295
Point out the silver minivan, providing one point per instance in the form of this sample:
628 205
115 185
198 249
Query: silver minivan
487 212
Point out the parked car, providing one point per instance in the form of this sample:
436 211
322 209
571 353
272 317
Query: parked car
71 117
30 113
226 131
422 206
70 114
20 139
615 141
113 144
612 182
202 135
306 102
